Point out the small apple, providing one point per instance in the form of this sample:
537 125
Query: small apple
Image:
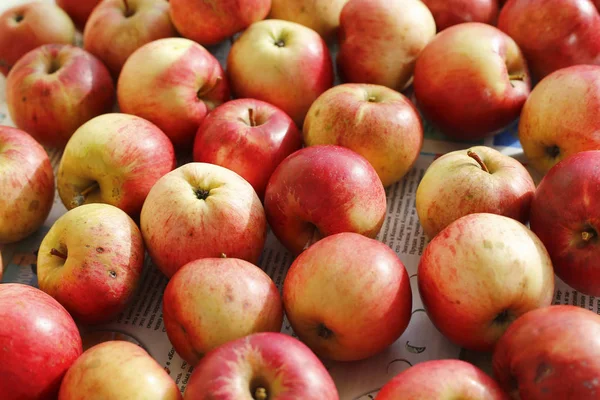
78 10
54 89
249 137
280 62
117 370
26 185
173 83
201 210
38 340
323 16
453 12
265 365
378 123
114 159
30 25
476 180
471 80
480 274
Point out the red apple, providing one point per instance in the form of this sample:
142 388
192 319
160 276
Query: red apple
30 25
453 12
78 10
54 89
551 353
322 190
471 80
39 342
173 83
210 22
249 137
26 185
280 62
480 274
266 365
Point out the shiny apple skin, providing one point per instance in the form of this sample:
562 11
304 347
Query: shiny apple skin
448 13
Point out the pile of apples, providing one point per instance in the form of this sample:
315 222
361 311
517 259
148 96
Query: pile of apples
196 162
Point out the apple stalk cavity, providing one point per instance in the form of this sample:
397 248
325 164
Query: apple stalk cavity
58 253
203 91
79 199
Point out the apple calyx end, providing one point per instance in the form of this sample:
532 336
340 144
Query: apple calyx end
552 151
18 17
279 43
202 194
476 157
324 332
372 99
260 394
58 253
505 317
588 235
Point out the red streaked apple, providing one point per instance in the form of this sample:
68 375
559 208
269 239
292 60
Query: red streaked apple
481 273
280 62
173 83
453 12
202 210
323 16
344 289
54 89
320 191
26 184
78 10
264 365
471 80
247 136
378 123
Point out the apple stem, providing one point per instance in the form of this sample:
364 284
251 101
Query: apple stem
80 198
474 156
251 115
316 236
516 77
587 236
126 8
260 394
223 255
202 91
58 253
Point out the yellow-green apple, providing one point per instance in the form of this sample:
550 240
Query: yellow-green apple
566 219
550 353
78 10
52 90
30 25
480 274
247 136
174 83
202 210
442 379
320 191
475 180
323 16
344 289
39 342
26 184
380 40
280 62
116 28
265 365
453 12
117 370
471 80
115 159
378 123
559 118
211 301
90 261
553 34
210 22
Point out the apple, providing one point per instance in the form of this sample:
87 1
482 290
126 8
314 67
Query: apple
54 89
380 40
550 353
480 274
344 289
378 123
323 16
559 118
471 80
39 342
249 137
211 301
116 28
30 25
442 380
553 34
202 210
565 218
210 22
475 180
320 191
78 10
280 62
114 159
117 370
453 12
173 83
265 365
90 261
26 184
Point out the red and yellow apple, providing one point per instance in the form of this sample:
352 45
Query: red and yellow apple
78 10
453 12
323 16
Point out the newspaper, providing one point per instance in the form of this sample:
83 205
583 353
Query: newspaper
142 321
